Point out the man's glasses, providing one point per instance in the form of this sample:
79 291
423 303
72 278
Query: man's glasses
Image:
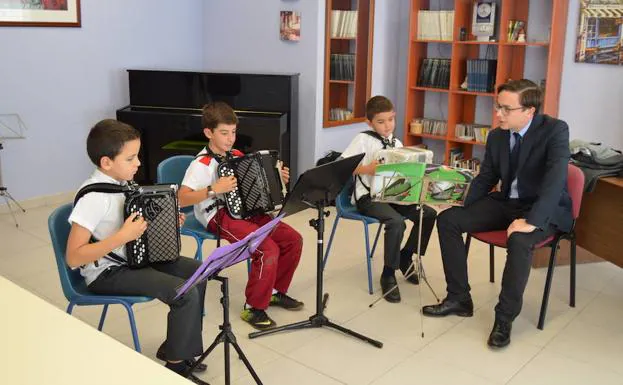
506 109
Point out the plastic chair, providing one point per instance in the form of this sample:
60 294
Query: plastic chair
73 284
346 210
575 186
172 170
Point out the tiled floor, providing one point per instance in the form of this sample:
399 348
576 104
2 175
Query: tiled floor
578 346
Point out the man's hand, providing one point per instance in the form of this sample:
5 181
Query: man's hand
521 226
225 184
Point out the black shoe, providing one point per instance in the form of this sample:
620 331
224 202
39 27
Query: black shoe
198 369
387 283
500 335
447 307
196 380
410 274
285 301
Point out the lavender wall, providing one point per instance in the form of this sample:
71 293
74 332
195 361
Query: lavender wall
591 99
63 80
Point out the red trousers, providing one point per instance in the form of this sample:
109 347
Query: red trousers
273 263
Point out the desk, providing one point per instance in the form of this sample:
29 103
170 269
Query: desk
41 344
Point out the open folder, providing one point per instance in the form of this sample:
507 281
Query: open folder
229 255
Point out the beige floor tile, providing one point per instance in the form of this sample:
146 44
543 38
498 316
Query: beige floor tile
285 371
348 359
424 370
552 368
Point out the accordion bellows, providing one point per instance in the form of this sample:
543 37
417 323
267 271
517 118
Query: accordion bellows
404 155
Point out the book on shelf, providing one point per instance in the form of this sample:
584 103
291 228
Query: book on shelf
429 126
515 27
434 73
471 131
342 67
435 25
340 114
343 24
481 75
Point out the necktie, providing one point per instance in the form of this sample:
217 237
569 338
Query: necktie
514 159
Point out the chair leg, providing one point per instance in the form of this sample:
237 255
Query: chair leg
102 318
70 307
198 252
137 345
491 263
548 285
326 253
376 239
468 241
572 276
368 257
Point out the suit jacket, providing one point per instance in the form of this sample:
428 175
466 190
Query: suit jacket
541 172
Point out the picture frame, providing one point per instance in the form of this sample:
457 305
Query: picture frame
40 13
290 26
600 32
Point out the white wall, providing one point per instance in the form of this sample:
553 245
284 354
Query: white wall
61 81
591 99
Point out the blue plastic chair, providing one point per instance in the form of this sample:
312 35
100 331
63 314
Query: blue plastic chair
172 170
346 210
73 284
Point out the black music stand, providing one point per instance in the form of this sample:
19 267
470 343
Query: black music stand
315 188
218 260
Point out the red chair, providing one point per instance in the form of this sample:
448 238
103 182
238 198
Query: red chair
575 185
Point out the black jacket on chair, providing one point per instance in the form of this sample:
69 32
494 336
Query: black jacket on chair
541 172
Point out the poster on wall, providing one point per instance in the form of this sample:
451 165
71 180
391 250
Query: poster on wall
600 32
40 13
290 28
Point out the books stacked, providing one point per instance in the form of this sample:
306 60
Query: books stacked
515 27
481 75
469 164
470 131
342 67
435 25
340 114
435 73
434 127
344 24
456 155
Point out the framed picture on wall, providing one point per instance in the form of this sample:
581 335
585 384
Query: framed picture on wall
40 13
290 26
600 32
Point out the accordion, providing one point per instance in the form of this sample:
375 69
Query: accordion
260 188
404 155
158 206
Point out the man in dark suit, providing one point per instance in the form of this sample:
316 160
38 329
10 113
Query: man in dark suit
528 153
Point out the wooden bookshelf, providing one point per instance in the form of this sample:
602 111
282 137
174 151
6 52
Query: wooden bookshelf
462 106
349 94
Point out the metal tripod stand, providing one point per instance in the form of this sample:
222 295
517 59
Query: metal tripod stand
8 198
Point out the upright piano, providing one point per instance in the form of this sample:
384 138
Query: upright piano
165 106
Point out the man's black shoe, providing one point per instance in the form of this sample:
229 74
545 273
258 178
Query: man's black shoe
447 307
388 283
198 369
410 274
500 335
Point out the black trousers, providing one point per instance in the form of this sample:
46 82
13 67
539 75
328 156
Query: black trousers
160 281
392 216
489 214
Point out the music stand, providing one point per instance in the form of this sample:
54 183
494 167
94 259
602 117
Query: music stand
315 188
221 258
11 127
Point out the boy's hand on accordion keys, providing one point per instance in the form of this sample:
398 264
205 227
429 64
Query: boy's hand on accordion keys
134 226
182 218
225 184
369 169
285 174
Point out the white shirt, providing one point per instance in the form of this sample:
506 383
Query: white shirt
368 145
202 173
102 215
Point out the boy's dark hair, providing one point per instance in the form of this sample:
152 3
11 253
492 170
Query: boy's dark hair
376 105
107 138
530 95
215 113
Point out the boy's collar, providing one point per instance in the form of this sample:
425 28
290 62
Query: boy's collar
101 174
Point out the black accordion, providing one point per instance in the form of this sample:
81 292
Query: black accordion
260 188
159 207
